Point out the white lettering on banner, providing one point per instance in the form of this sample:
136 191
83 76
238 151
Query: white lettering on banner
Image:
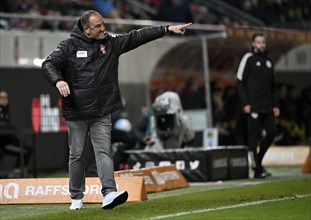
39 191
169 175
10 191
137 166
180 164
284 155
220 163
126 175
148 180
194 164
65 190
47 190
159 179
49 116
149 164
56 189
92 189
164 163
30 191
238 162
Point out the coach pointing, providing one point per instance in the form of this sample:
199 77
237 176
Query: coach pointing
84 68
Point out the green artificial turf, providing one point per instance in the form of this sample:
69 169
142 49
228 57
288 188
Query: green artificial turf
281 197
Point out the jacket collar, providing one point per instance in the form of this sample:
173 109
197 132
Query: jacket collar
264 54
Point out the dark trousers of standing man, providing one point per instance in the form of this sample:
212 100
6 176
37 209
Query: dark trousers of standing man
257 123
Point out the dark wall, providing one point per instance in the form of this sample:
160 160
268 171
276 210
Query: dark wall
23 85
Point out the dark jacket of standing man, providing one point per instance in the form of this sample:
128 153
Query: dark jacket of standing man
256 83
90 67
84 68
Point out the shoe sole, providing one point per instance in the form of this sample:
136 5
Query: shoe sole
117 201
76 208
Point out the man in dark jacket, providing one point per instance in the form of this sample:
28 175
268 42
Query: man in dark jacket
84 68
255 83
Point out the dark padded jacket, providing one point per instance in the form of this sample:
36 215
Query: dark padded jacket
90 67
256 82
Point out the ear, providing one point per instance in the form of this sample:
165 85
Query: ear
86 30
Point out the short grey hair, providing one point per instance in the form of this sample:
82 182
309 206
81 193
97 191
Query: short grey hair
85 18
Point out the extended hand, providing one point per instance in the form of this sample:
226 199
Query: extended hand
179 29
63 88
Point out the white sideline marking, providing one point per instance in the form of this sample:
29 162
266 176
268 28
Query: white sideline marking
228 207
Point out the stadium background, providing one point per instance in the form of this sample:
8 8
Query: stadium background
30 30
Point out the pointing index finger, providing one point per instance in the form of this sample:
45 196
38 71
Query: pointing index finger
186 25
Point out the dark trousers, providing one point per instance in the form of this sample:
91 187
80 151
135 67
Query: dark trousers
261 131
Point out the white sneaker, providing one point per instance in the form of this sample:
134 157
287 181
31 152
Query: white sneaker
114 199
76 204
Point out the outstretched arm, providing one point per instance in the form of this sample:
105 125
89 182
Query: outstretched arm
135 38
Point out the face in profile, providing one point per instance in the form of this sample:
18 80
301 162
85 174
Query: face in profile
96 28
259 44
